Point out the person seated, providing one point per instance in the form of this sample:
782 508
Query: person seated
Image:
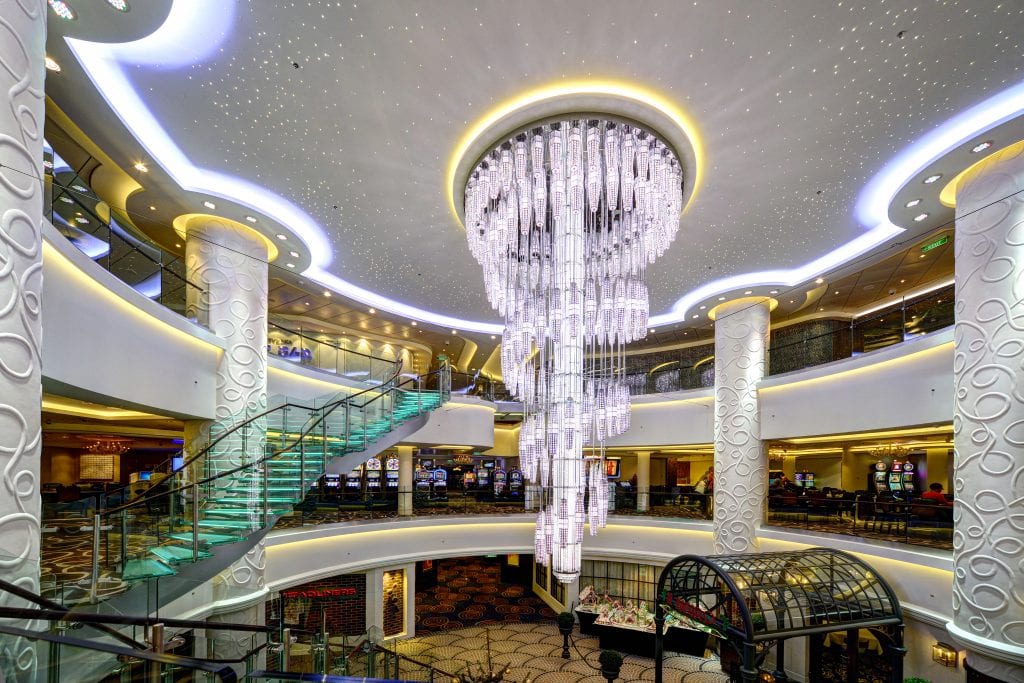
934 493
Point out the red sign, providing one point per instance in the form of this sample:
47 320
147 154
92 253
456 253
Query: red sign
321 593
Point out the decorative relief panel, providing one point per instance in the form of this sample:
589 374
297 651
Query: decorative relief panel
22 42
988 421
740 478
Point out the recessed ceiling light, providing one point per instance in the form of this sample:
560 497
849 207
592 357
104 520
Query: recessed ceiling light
836 292
62 10
920 217
141 167
912 203
702 307
819 281
923 255
67 200
454 332
749 291
414 323
177 245
81 219
773 291
650 331
792 301
290 265
251 219
293 254
372 311
282 237
981 146
902 281
52 65
494 336
119 5
821 309
721 298
327 294
695 316
209 205
152 208
932 178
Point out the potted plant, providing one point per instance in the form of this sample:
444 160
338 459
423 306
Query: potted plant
611 664
565 621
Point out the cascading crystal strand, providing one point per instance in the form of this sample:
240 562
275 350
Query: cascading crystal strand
564 218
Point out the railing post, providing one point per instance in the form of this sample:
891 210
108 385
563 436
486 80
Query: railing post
348 423
195 522
156 638
93 587
302 466
286 649
124 540
266 490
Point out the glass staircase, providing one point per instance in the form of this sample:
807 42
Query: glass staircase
252 471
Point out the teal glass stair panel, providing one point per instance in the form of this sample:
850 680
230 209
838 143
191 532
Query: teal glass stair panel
174 554
136 570
205 538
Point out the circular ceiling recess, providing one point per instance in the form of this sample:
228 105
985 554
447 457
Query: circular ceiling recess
627 103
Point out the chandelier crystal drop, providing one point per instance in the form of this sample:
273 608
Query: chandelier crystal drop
564 217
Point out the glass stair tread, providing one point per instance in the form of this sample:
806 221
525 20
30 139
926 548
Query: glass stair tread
239 512
173 554
225 524
137 570
287 500
204 537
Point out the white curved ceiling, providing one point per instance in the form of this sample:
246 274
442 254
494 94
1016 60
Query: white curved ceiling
350 111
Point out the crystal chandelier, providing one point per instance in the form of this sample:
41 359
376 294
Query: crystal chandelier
564 217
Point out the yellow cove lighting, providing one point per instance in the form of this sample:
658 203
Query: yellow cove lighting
887 434
620 89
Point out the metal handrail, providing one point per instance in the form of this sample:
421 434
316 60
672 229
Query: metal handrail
299 333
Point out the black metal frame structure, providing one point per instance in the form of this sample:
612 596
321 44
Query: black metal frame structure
758 600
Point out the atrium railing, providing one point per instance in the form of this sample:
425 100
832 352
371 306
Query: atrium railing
85 221
251 473
798 346
302 347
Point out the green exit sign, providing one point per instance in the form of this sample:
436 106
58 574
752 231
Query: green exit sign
936 244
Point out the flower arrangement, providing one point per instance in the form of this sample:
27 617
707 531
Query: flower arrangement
612 611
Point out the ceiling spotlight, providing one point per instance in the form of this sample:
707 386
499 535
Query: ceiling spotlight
981 147
119 5
210 205
702 307
695 316
62 10
290 265
414 323
836 292
932 178
819 281
372 311
251 219
281 237
773 291
152 208
912 203
293 254
749 291
650 331
454 332
920 217
141 167
67 200
494 336
721 298
327 294
902 281
52 65
923 255
177 245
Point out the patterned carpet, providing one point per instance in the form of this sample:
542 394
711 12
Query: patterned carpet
941 539
534 650
469 592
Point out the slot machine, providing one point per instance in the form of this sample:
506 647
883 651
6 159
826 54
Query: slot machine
391 473
879 478
354 483
798 479
515 483
808 480
500 482
896 477
910 478
440 477
423 479
331 484
469 480
373 476
483 477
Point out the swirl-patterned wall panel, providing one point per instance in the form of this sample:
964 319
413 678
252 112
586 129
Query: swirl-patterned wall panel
741 477
22 47
229 264
988 418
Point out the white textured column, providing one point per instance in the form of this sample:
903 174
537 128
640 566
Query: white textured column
988 418
643 481
228 262
405 484
242 585
741 465
22 48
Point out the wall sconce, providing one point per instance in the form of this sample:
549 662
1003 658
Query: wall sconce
944 654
